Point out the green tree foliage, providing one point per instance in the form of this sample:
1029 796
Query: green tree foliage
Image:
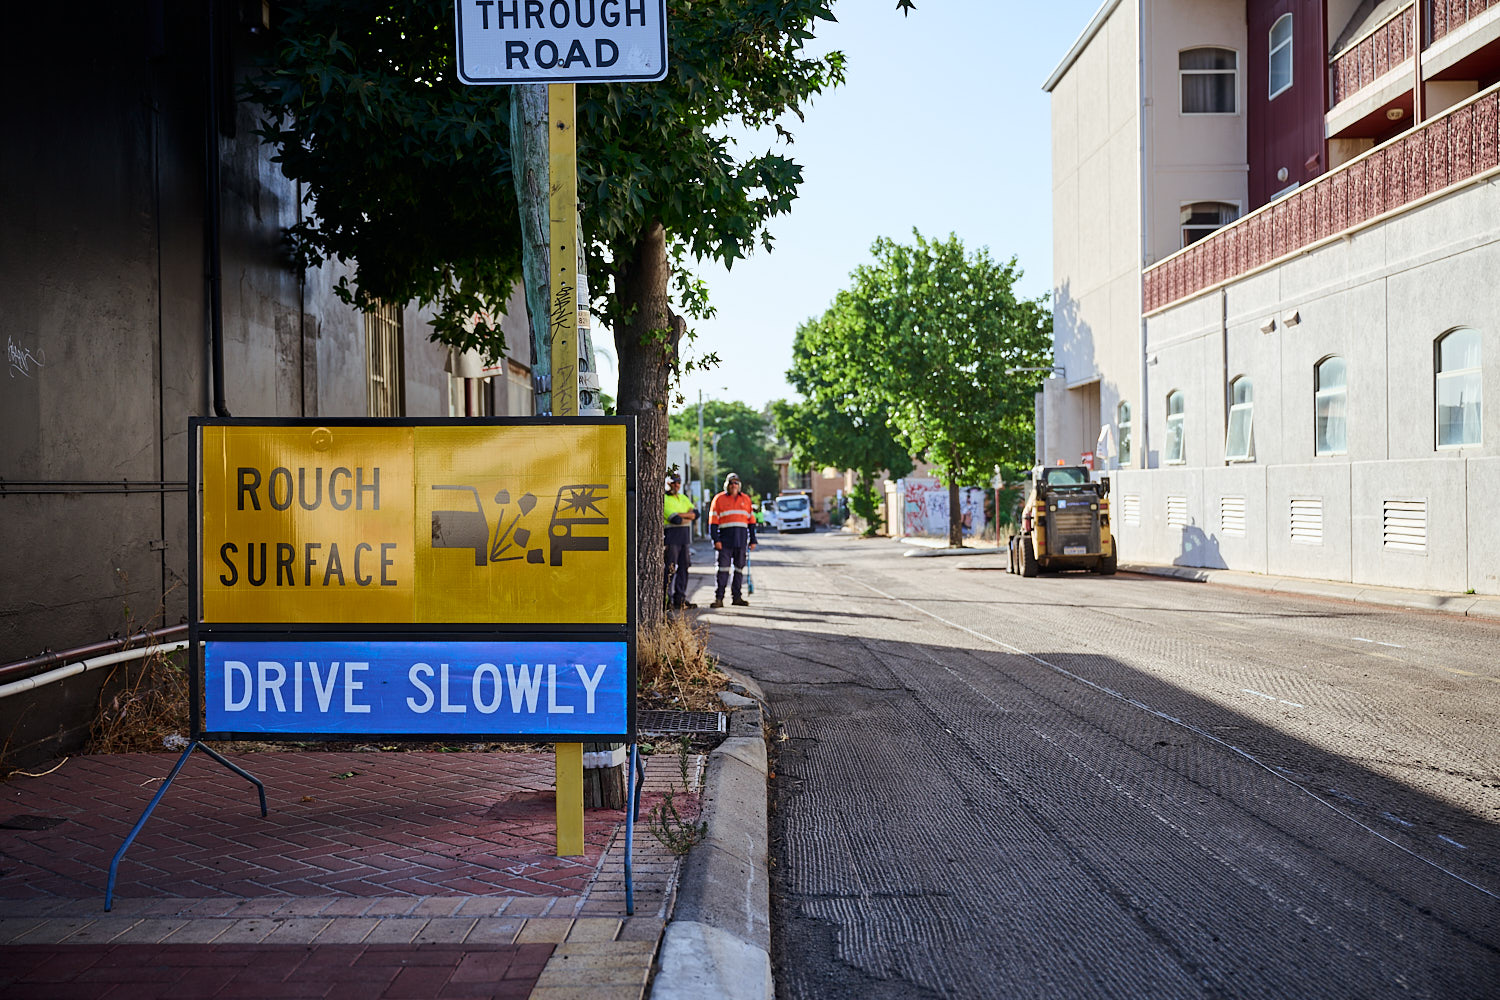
407 170
745 443
409 175
938 333
843 419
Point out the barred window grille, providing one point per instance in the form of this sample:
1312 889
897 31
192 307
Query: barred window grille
383 361
1307 520
1131 509
1232 516
1404 525
1177 512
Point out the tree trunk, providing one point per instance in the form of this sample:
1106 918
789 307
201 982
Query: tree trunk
530 170
955 515
646 345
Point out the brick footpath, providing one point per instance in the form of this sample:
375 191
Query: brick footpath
375 875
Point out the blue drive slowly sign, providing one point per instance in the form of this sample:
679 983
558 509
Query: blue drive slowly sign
417 688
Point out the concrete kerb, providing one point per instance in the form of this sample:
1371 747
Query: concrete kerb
718 943
1467 605
923 548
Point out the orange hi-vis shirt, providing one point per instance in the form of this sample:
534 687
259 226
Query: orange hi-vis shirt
727 511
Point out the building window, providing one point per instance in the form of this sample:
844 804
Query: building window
1281 54
383 366
1122 418
1239 443
518 391
1330 435
1175 451
1208 81
1458 389
1200 218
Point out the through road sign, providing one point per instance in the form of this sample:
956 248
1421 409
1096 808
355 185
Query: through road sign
561 41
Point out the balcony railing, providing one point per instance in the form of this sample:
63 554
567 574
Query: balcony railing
1376 54
1447 15
1462 143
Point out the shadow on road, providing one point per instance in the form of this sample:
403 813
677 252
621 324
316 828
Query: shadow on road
1055 807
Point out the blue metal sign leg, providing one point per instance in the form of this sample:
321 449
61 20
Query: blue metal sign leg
632 804
114 864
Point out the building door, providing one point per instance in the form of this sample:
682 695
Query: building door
1088 421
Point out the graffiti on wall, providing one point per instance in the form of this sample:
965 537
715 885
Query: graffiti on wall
926 510
22 359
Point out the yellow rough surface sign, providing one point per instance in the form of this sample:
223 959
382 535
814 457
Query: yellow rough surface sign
415 524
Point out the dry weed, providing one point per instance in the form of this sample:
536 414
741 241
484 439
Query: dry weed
148 706
675 669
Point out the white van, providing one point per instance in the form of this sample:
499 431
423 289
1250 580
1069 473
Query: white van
793 512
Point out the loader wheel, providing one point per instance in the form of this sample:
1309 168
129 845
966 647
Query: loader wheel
1028 558
1110 563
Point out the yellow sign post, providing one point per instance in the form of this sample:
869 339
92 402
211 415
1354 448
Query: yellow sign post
562 158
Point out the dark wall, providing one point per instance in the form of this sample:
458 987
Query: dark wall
1286 132
103 188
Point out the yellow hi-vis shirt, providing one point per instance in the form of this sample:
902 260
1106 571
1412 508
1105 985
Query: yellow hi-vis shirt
680 533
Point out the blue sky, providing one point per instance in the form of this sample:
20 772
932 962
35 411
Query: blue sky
942 125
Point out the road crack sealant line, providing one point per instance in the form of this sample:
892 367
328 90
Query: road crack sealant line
1204 734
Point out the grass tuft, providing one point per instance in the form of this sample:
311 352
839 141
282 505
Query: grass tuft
675 669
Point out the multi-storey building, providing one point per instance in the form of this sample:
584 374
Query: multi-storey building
1277 284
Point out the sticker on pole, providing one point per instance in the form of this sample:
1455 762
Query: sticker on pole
561 41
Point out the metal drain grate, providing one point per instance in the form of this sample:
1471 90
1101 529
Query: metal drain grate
666 723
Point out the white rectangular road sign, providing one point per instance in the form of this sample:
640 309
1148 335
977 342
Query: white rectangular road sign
561 41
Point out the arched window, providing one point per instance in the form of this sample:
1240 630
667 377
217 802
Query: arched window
1239 442
1330 425
1209 81
1176 417
1281 54
1200 218
1457 388
1122 420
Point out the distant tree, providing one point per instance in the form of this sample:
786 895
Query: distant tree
745 443
942 336
843 419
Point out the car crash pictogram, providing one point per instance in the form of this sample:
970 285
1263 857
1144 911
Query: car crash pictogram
467 526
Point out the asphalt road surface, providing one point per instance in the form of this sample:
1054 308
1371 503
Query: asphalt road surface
1128 787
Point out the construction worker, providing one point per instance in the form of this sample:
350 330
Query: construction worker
678 515
731 524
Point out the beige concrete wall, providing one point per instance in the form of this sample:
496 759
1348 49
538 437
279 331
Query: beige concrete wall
1096 236
1189 158
1379 299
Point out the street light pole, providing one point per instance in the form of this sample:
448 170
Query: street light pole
702 479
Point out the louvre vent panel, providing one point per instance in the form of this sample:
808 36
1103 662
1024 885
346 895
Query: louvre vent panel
1232 516
1307 520
1177 512
1130 506
1404 525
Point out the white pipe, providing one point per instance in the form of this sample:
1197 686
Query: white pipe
73 669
